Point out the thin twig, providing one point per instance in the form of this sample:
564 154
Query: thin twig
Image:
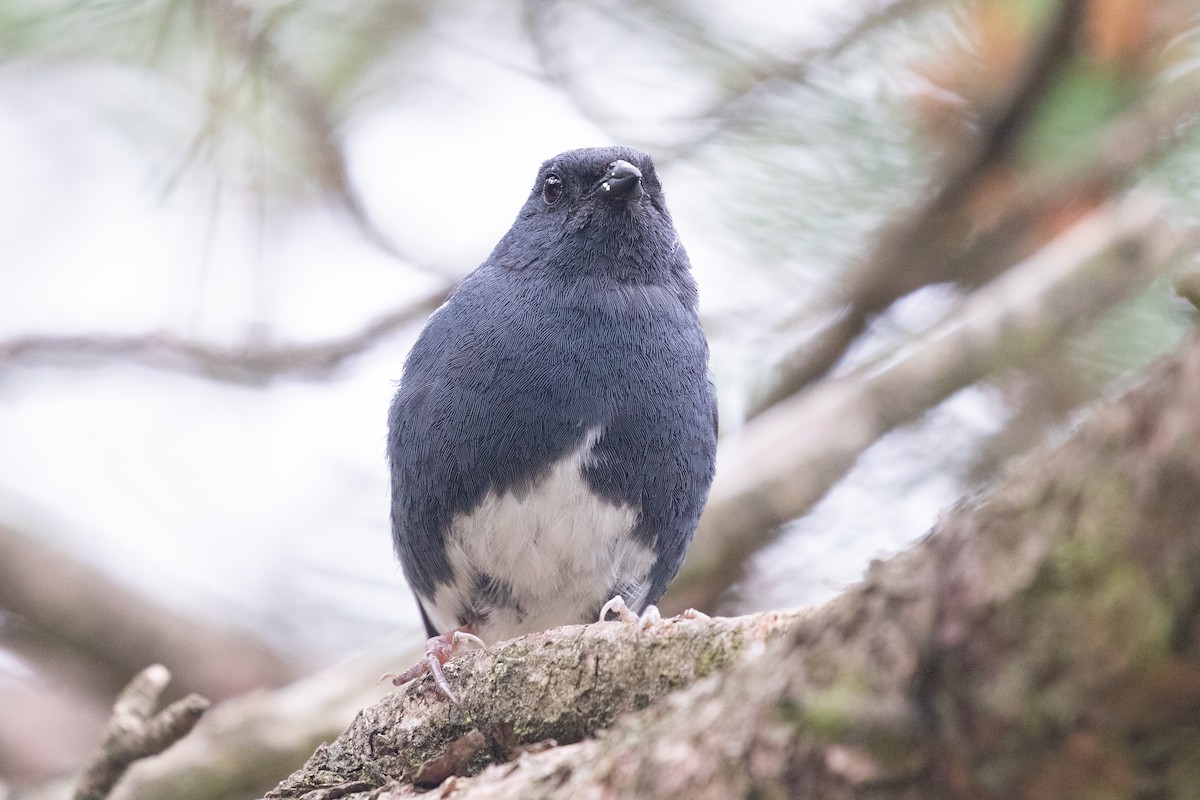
738 105
743 102
536 19
253 365
256 48
135 732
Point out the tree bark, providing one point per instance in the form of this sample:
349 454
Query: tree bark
1042 642
550 688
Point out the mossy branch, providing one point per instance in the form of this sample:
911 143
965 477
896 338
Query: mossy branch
555 687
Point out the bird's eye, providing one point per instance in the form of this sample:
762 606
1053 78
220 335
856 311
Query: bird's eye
552 189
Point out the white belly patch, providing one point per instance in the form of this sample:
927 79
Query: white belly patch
546 557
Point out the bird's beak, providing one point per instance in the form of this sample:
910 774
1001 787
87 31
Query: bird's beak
623 181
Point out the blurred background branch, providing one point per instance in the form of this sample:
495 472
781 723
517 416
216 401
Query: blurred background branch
786 460
252 364
110 633
926 233
915 251
751 97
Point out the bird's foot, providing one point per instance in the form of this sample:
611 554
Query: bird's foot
438 651
627 615
648 618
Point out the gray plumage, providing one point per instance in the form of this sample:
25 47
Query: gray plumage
553 436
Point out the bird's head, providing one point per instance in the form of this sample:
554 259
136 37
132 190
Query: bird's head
607 179
601 206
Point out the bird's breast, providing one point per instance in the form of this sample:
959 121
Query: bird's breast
544 554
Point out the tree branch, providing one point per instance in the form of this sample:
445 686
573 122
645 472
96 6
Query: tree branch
564 684
245 745
580 677
135 732
917 249
87 612
786 459
246 364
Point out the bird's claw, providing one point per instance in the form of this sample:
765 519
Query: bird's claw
438 651
648 618
461 636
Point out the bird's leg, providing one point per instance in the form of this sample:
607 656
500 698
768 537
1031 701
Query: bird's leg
438 651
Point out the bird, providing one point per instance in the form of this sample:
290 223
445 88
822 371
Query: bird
552 439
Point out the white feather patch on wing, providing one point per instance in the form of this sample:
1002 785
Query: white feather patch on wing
559 547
